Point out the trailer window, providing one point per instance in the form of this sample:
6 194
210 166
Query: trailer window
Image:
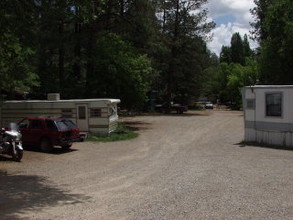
250 103
274 104
95 112
66 113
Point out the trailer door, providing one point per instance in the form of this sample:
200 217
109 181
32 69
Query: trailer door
82 117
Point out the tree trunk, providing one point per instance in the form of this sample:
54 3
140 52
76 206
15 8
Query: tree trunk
77 49
172 64
61 57
89 65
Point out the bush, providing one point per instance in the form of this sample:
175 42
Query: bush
120 134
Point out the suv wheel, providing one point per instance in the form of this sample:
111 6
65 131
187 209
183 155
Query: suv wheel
46 145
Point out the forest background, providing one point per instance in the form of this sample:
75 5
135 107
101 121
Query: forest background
136 49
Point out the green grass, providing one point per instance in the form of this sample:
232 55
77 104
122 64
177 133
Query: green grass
120 134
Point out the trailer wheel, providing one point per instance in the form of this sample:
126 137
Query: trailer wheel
46 145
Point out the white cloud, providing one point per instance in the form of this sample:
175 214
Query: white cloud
239 11
222 7
223 34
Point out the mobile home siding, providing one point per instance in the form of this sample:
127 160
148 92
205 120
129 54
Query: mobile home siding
98 119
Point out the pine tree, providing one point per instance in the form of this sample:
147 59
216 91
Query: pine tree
237 49
183 33
225 54
247 51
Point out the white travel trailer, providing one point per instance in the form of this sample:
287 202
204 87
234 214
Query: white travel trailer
268 114
98 116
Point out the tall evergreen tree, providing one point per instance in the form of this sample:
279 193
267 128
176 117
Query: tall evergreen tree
225 54
183 32
237 49
259 12
247 51
237 52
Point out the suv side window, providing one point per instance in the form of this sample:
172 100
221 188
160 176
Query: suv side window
24 124
51 125
35 124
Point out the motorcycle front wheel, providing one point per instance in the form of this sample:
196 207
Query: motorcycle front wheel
18 156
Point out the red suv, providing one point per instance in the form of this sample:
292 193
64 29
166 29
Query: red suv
47 132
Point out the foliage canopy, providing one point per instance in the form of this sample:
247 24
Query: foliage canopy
115 48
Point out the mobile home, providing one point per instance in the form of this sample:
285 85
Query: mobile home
268 114
98 116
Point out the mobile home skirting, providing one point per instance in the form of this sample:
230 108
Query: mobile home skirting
269 137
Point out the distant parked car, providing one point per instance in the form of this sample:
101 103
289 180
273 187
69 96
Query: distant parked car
165 108
209 105
48 132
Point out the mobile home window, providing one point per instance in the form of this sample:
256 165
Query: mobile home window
250 103
96 112
67 113
274 104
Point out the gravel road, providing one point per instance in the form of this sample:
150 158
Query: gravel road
189 166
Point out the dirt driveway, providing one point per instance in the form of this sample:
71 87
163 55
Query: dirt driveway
180 167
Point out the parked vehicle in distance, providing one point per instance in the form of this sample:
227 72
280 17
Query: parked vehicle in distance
48 132
165 108
10 142
208 105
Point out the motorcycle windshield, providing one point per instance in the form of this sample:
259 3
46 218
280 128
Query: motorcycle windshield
13 127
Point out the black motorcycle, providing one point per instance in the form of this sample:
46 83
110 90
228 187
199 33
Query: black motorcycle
10 142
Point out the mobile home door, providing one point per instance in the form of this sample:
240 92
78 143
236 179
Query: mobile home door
82 117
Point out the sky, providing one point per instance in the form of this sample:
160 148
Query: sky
230 16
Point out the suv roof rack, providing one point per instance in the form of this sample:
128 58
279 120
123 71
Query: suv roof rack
47 116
